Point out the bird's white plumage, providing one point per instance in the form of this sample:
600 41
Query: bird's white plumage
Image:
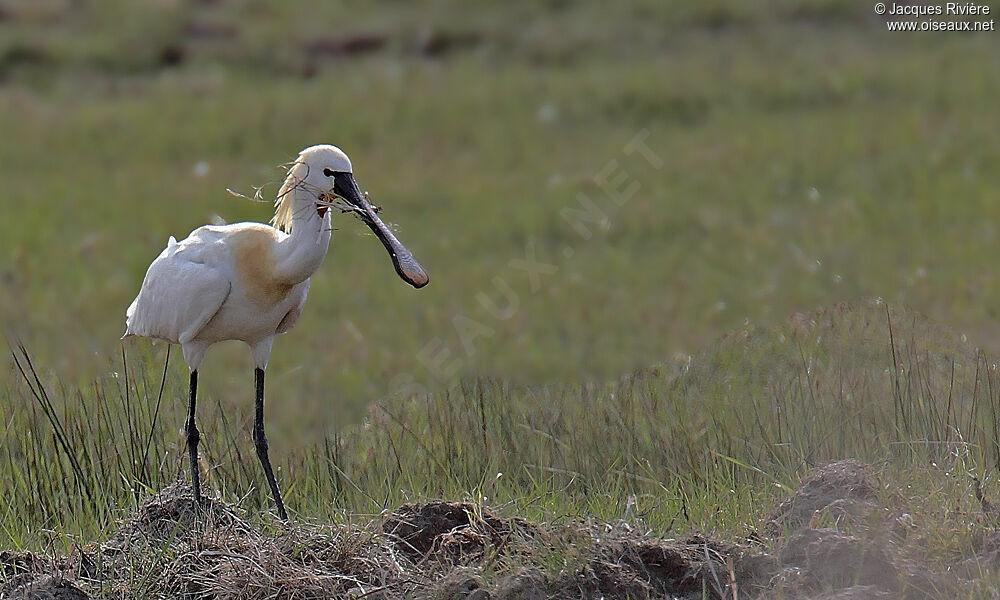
244 281
184 271
249 281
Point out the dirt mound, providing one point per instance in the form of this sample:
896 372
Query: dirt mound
173 547
26 576
210 551
310 563
650 568
827 558
13 564
454 531
619 563
47 587
526 584
832 562
458 584
173 513
843 488
642 568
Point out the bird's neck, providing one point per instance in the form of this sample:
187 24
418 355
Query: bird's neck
302 251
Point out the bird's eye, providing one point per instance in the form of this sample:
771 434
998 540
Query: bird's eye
328 172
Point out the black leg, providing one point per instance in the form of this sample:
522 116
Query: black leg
192 438
260 441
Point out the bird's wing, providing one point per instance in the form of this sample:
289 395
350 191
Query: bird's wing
183 289
293 315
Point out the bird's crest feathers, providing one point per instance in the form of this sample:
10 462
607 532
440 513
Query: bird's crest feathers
283 203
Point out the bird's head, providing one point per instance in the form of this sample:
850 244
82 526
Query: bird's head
323 176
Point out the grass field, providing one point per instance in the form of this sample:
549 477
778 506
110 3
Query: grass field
666 244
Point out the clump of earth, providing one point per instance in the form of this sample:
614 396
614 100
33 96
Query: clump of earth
830 539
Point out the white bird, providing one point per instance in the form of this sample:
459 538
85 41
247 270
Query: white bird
248 281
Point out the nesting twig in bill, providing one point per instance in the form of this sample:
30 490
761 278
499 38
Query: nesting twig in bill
327 199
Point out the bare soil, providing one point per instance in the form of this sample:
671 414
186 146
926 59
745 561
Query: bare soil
459 550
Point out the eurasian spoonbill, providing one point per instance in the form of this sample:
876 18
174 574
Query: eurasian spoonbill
248 281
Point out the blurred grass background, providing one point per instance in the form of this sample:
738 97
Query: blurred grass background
808 157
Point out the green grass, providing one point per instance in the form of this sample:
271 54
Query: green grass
861 164
708 444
